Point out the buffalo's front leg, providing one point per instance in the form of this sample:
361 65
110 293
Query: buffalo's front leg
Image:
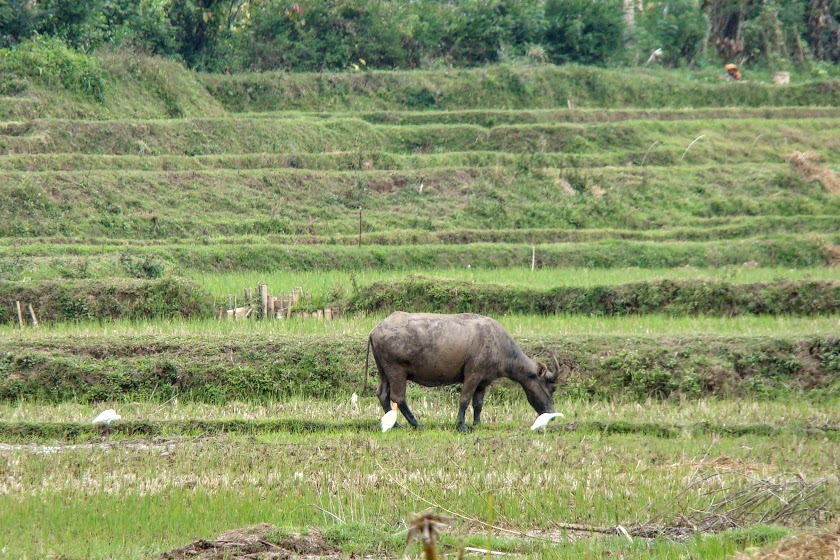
403 406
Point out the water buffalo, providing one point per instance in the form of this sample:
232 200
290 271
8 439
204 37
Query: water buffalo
435 350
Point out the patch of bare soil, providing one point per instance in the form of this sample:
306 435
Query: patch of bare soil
250 542
820 546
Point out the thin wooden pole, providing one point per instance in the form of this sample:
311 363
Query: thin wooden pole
533 257
34 318
20 314
264 300
360 226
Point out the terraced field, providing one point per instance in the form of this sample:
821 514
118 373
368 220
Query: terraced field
673 239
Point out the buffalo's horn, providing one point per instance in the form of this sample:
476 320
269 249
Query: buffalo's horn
556 364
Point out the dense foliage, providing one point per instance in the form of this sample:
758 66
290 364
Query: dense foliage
233 35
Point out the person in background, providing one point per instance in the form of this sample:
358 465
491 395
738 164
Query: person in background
732 72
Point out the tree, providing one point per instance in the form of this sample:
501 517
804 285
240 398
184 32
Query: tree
824 30
17 21
198 25
678 27
584 31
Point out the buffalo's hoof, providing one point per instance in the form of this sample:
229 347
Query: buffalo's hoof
464 429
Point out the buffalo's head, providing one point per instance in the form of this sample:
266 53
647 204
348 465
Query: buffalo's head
548 379
542 399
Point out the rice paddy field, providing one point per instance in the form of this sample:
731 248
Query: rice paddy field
678 252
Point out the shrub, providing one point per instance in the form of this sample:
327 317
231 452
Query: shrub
584 31
50 61
330 35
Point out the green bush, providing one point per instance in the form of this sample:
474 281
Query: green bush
678 27
584 31
106 300
50 61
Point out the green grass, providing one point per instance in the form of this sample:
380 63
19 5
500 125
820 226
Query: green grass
181 489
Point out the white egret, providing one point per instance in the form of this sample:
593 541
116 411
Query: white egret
390 418
354 400
543 419
106 417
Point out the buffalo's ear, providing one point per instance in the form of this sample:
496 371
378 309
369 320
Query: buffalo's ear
550 376
546 373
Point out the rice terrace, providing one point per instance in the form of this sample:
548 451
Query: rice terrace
206 252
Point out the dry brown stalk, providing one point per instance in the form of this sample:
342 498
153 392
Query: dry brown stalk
427 527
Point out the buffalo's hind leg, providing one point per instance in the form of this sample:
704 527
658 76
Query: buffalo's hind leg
398 385
384 394
478 402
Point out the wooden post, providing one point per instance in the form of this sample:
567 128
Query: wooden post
20 314
360 226
272 305
263 301
34 318
533 256
328 313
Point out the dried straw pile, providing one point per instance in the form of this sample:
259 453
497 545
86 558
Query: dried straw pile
819 546
808 165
